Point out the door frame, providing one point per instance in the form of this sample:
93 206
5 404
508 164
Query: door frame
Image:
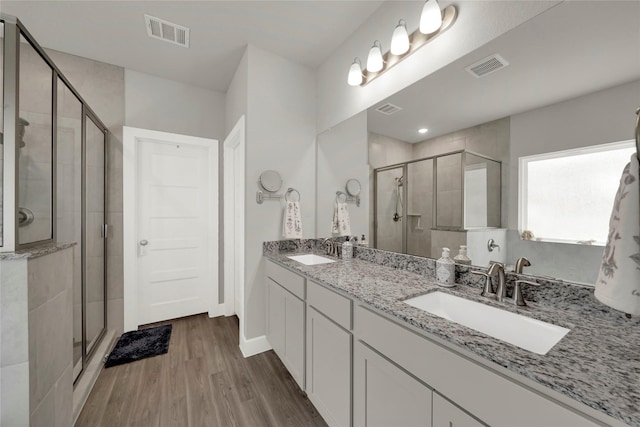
132 137
233 242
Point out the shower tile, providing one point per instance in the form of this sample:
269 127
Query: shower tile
14 313
115 274
64 398
114 188
14 393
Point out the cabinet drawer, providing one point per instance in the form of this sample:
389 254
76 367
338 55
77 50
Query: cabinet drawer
287 279
469 384
334 306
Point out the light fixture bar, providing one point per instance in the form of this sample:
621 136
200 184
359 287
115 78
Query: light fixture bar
449 15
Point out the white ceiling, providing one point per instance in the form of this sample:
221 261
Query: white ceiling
304 31
575 48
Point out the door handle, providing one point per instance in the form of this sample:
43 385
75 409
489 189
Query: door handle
144 242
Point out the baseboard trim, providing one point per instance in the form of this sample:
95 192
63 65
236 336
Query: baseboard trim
217 310
253 346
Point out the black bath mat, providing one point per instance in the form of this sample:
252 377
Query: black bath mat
136 345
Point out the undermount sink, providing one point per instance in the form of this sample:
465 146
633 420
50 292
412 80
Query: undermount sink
527 333
311 259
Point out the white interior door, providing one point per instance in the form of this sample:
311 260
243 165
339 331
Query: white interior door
174 209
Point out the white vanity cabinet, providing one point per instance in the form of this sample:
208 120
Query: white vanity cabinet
329 354
483 393
446 414
286 319
386 395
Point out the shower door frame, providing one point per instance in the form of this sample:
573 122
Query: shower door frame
405 193
405 169
13 29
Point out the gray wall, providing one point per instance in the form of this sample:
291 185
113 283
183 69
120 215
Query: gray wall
342 154
159 104
281 135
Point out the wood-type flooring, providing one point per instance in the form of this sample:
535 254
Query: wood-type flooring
202 381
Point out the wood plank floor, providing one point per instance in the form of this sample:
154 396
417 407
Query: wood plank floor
202 381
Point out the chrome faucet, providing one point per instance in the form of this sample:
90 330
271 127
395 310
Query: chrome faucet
521 263
517 292
501 290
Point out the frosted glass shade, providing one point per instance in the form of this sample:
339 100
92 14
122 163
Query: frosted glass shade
374 60
400 39
355 74
431 18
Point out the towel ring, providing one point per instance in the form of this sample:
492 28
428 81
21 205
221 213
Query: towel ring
289 191
347 198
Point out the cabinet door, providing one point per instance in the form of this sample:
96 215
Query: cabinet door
276 319
294 337
329 368
446 414
385 395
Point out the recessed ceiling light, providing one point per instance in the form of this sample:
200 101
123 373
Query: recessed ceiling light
423 130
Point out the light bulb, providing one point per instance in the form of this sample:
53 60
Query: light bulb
355 73
400 39
431 18
423 130
374 60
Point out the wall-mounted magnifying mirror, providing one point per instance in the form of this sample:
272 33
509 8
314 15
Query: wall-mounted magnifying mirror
270 181
353 187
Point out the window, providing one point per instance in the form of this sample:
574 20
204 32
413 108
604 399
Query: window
567 196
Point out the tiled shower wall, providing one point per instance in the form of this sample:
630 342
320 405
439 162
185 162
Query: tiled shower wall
102 87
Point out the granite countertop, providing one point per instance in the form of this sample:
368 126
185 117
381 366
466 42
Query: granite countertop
35 251
596 363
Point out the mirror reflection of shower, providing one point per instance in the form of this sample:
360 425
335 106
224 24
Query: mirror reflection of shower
397 216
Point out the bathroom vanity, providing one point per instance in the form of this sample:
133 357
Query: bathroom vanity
366 358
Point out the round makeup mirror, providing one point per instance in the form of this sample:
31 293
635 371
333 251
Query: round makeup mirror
353 187
270 181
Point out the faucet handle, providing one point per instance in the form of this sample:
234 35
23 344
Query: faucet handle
517 291
487 290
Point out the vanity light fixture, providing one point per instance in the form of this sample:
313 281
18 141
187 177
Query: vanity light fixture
423 130
400 39
355 73
375 62
433 22
431 18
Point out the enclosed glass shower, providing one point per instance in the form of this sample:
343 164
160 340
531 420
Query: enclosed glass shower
451 192
53 176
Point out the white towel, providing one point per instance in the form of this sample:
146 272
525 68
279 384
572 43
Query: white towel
618 284
292 222
341 223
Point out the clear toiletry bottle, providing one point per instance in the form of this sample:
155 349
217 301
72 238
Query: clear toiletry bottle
445 270
347 250
462 257
363 241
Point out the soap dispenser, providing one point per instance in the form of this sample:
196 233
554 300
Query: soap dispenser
462 257
363 241
445 270
347 249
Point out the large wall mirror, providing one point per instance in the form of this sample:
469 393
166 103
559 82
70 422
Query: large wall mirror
520 155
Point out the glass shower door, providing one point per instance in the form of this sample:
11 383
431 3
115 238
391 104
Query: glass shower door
94 235
419 207
390 209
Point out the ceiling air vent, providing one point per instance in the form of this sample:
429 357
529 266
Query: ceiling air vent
388 109
167 31
487 65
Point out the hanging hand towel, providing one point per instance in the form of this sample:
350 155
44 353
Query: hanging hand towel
341 223
618 284
292 223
